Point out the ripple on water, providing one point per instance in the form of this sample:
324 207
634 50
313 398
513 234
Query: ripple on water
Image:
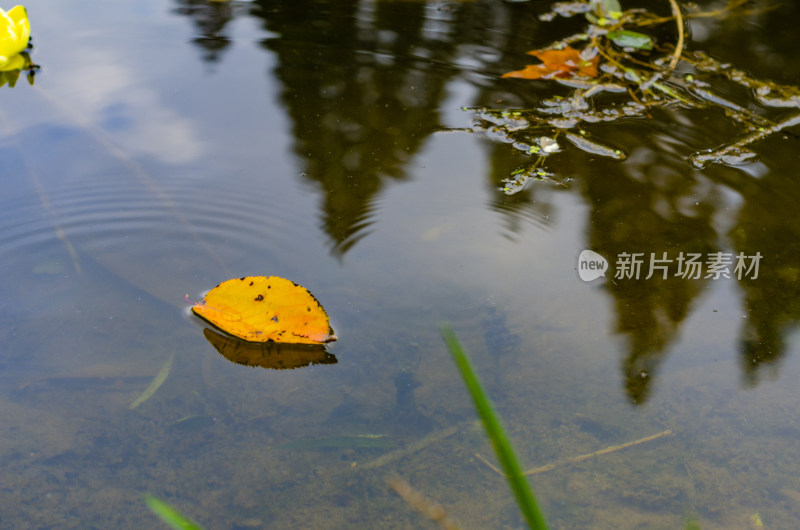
156 237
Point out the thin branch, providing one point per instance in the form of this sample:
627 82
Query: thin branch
676 11
702 158
717 13
489 464
579 458
410 449
419 502
611 449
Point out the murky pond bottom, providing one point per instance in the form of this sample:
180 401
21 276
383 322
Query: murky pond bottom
222 140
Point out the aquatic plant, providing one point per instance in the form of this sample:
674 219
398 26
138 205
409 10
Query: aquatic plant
617 68
169 514
494 429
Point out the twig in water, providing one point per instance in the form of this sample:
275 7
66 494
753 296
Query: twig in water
610 449
419 502
581 458
411 448
676 56
489 464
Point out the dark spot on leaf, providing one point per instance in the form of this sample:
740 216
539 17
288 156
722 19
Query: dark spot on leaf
251 283
241 279
308 308
259 298
275 319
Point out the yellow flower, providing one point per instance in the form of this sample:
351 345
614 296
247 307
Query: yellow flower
15 30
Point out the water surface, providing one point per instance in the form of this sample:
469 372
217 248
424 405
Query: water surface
168 146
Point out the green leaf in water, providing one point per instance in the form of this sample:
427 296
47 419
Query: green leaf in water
168 514
595 148
604 11
631 39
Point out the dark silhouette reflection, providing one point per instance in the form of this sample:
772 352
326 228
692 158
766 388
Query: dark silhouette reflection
363 91
358 115
624 219
363 84
768 224
210 19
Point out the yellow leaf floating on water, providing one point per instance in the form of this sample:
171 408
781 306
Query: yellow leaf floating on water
260 309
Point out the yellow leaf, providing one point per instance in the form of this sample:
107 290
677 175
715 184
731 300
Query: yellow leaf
261 309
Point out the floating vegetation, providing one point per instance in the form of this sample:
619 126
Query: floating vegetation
595 148
735 153
616 69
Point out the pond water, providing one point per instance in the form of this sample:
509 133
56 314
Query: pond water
167 146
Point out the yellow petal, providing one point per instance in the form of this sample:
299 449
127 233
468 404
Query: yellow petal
8 33
15 30
18 13
23 27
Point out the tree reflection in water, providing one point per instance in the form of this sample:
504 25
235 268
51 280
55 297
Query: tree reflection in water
363 84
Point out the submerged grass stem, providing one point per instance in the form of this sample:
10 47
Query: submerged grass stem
168 514
158 380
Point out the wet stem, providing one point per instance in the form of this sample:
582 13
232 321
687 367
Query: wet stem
494 430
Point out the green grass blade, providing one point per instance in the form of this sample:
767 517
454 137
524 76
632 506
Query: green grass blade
502 446
169 515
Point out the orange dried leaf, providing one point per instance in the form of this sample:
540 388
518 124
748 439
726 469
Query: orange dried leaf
564 63
532 71
558 59
260 309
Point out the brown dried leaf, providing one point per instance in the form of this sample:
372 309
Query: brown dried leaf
564 63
